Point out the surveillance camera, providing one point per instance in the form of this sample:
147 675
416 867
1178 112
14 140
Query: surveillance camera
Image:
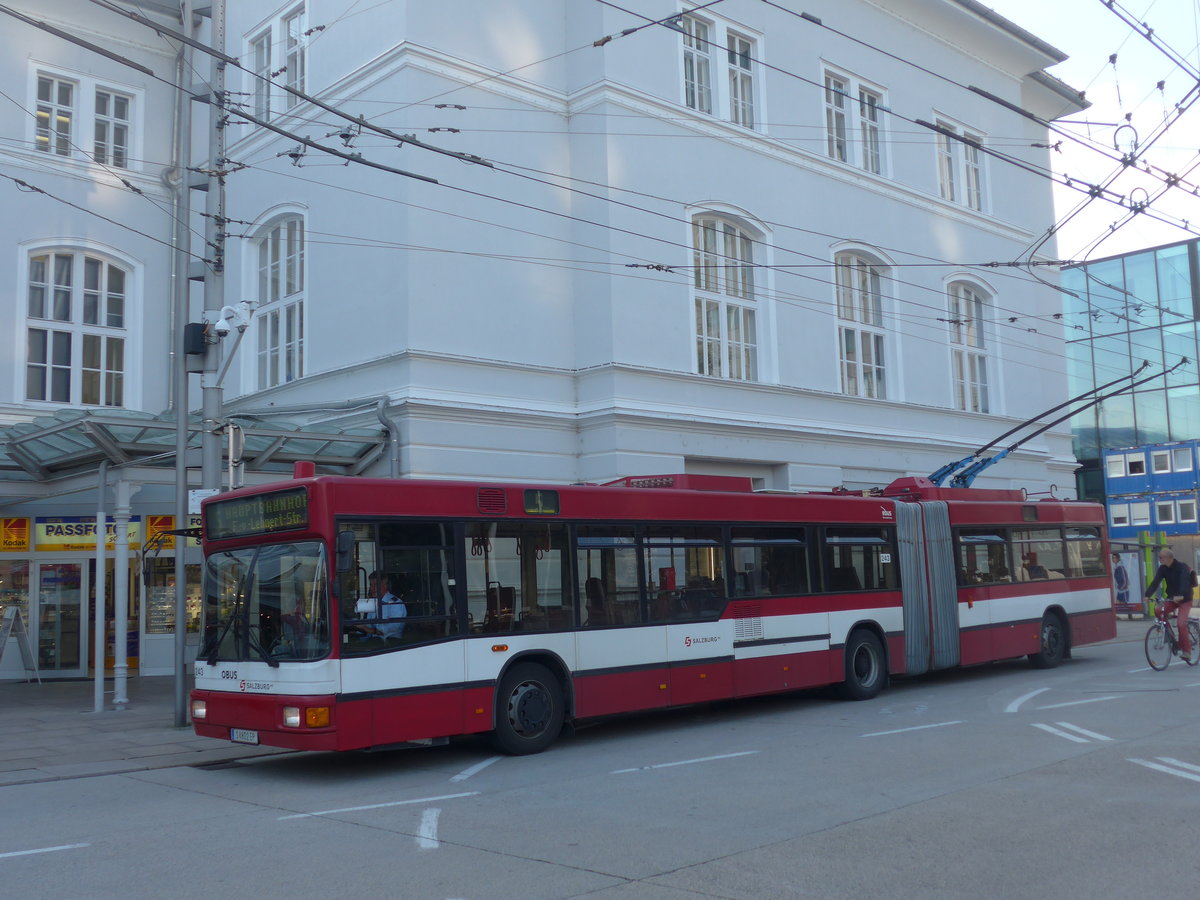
222 327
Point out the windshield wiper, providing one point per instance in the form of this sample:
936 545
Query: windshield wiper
257 647
238 603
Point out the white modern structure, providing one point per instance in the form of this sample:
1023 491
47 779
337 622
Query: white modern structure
722 239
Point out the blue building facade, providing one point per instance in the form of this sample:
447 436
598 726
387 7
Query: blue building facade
1153 488
1119 312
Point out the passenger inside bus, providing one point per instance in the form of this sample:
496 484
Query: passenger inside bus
1032 567
597 603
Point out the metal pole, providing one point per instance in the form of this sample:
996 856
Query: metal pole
98 589
125 491
182 296
214 284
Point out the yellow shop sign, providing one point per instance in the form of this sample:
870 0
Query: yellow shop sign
79 533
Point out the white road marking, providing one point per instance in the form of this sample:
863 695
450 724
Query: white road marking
1061 734
1180 763
914 728
1079 702
1161 768
1091 734
683 762
478 767
427 838
330 812
1016 704
1081 736
43 850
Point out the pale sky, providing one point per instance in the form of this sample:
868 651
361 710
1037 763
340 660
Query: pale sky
1088 32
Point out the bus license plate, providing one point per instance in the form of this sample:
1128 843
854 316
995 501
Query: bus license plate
243 736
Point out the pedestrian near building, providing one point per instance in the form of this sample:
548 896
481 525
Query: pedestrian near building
1121 583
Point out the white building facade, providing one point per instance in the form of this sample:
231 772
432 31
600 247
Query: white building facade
718 244
720 239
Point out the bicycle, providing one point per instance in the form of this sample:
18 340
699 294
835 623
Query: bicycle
1161 643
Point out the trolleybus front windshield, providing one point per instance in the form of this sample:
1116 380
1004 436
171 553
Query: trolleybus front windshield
268 603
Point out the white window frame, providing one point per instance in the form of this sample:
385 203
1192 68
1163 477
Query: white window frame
1115 465
1135 464
280 319
863 351
726 312
968 323
259 54
1164 512
1139 513
78 144
1181 459
961 165
1118 515
54 131
280 40
1187 511
855 128
84 324
295 53
1160 461
113 146
719 66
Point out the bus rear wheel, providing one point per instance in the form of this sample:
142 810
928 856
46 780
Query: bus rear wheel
866 667
1053 649
529 710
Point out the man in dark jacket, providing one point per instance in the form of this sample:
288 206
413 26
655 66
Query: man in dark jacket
1176 578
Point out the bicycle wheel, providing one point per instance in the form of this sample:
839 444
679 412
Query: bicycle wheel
1194 634
1158 647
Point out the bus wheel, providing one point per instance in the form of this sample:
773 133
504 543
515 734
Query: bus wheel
866 670
1054 643
529 710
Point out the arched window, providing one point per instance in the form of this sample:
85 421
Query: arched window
862 340
280 314
968 348
726 330
75 334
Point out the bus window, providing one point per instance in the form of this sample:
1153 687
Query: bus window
983 556
860 559
1040 551
684 573
515 577
416 556
1085 555
769 562
606 560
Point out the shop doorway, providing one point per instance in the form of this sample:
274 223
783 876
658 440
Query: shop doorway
132 640
61 630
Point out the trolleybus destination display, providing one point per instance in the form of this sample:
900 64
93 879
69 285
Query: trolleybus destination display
264 514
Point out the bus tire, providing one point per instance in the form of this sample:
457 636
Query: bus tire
866 666
1053 648
529 710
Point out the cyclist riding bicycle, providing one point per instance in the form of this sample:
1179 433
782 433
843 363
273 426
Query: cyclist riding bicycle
1177 579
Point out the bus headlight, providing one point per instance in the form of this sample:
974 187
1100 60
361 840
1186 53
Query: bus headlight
199 709
291 717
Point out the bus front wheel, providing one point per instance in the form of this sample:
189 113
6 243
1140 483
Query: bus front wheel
866 666
529 710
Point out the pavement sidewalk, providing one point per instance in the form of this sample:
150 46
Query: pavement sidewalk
49 731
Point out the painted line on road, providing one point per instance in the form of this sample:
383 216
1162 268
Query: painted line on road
1016 704
684 762
345 809
1158 767
478 767
1080 702
914 728
1090 734
1081 736
43 850
427 838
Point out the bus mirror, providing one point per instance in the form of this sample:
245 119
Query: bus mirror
345 551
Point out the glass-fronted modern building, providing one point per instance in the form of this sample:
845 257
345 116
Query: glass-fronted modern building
1119 312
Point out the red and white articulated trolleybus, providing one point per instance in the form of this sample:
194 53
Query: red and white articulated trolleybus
515 609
